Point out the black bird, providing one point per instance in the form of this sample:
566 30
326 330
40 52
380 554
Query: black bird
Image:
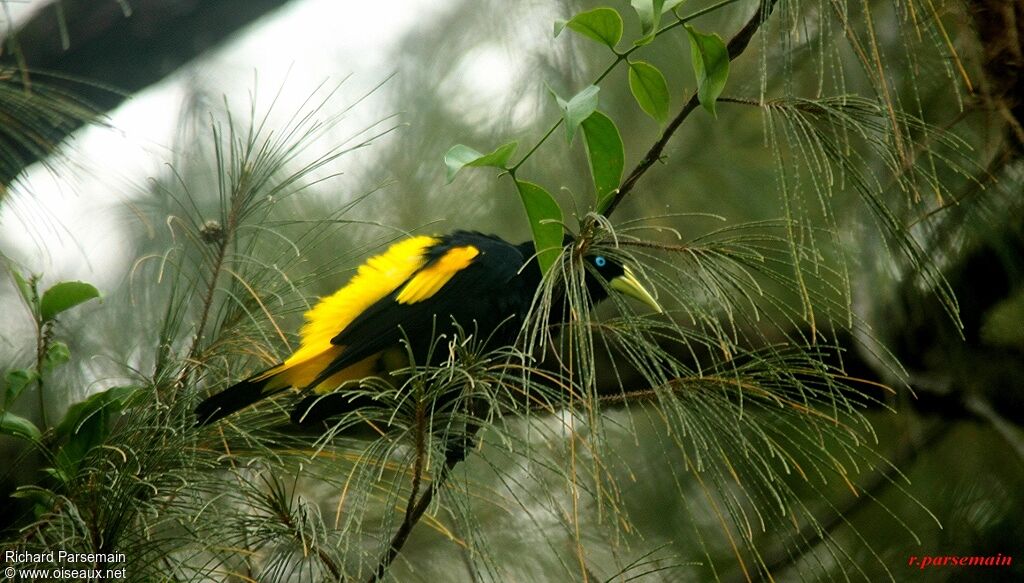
419 288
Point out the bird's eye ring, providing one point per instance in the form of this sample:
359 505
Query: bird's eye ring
600 261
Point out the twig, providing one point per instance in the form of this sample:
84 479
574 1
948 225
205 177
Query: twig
619 58
223 238
737 44
284 515
42 347
413 509
415 512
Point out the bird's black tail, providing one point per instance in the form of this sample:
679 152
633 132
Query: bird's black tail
236 397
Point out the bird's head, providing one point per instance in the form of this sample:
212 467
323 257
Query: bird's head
603 272
617 277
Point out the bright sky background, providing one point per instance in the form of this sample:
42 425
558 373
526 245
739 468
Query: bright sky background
68 226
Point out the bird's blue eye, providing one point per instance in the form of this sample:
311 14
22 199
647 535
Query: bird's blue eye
600 261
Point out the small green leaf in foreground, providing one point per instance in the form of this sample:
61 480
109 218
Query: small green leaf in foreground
110 401
650 89
64 296
603 25
18 426
545 222
606 156
26 287
710 65
649 12
57 353
459 156
87 424
577 109
16 381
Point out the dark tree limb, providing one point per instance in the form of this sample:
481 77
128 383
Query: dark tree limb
102 51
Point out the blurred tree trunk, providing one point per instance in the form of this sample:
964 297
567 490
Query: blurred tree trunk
99 52
1000 29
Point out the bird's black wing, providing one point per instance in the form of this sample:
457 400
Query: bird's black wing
487 296
484 297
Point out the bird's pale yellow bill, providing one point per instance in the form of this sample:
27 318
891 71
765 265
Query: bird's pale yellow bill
629 285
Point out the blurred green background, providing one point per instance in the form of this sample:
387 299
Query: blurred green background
426 75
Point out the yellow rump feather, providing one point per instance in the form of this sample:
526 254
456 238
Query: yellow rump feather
375 279
429 280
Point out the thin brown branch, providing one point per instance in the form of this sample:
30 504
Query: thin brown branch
223 238
286 519
737 45
413 509
456 454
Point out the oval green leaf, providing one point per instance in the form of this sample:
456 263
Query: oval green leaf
16 381
650 89
603 25
545 218
86 425
64 296
459 156
710 65
18 426
577 109
42 499
26 287
36 494
94 410
671 5
649 12
606 156
57 353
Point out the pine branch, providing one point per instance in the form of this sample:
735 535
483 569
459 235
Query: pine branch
414 512
788 552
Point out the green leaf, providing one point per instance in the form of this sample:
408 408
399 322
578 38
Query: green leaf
26 287
650 89
109 401
577 109
711 66
460 156
57 353
87 424
16 381
1000 325
606 156
649 12
64 296
18 426
42 499
32 493
670 5
603 25
545 222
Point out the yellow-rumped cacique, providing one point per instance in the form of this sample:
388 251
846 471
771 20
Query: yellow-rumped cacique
417 289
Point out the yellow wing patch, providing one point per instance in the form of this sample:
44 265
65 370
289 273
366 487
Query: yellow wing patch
375 279
430 279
